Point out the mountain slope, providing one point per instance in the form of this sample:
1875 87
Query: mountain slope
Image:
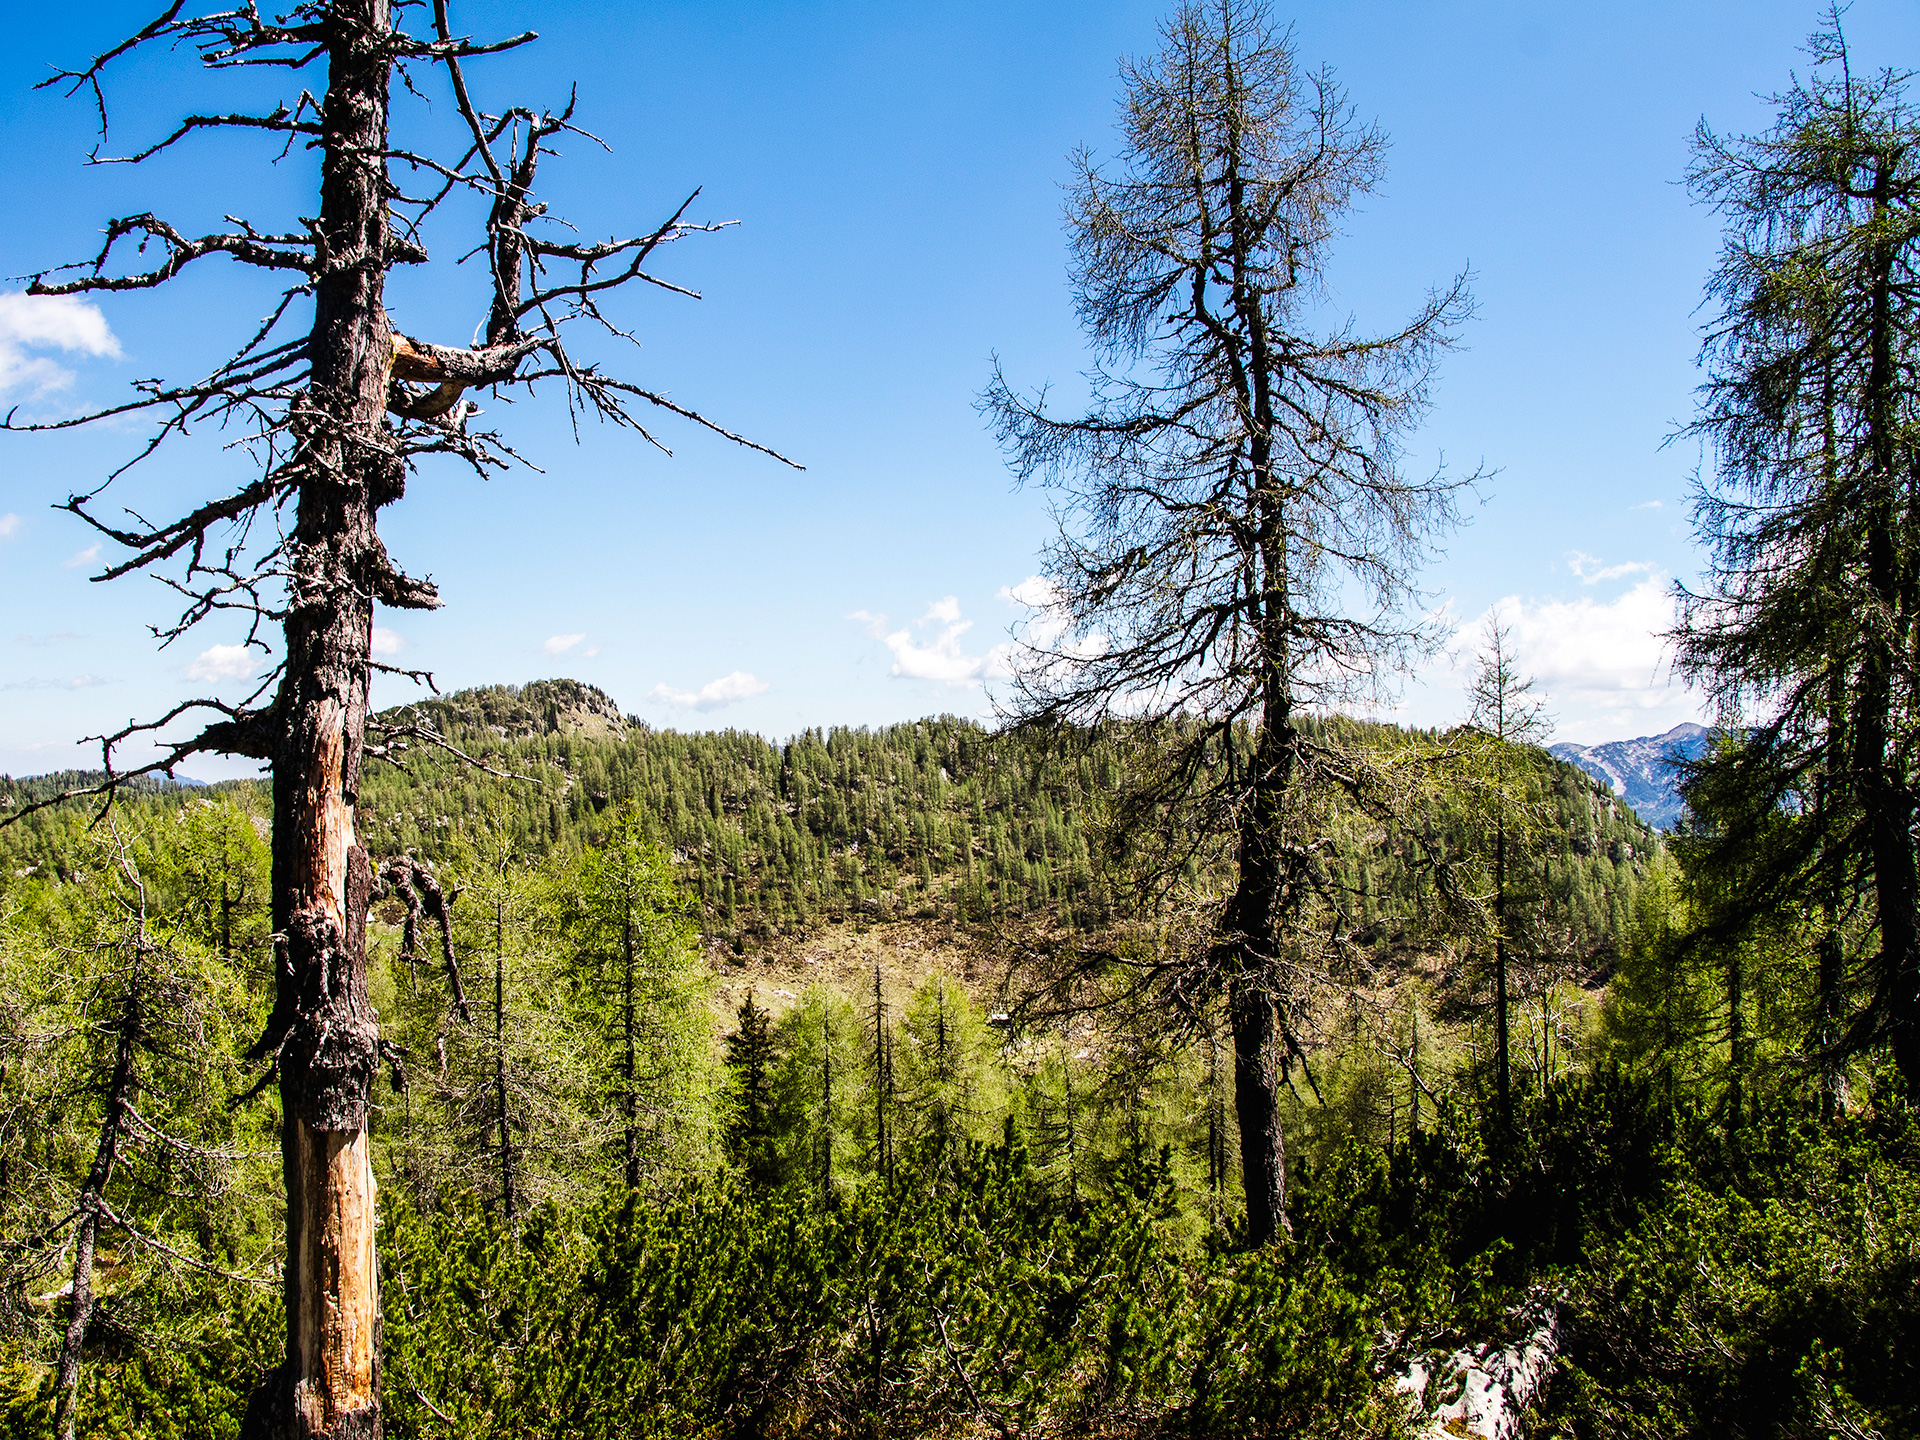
1643 771
934 818
929 818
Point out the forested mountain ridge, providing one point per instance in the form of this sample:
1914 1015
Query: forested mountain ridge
878 1091
517 712
930 817
916 818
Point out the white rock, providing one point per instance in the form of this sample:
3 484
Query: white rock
1482 1393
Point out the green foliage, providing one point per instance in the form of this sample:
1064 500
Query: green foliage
1053 1245
122 1018
950 1088
820 1095
586 1028
751 1057
937 817
183 1375
971 1299
1770 1291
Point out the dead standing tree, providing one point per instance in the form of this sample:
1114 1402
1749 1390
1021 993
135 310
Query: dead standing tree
1239 527
338 416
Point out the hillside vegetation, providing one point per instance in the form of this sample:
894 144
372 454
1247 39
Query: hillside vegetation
931 817
753 1134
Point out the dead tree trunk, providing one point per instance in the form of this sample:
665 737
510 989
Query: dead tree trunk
629 1063
1247 948
339 416
87 1233
327 1033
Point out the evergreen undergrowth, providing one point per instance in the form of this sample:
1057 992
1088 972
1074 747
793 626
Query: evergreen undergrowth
1763 1288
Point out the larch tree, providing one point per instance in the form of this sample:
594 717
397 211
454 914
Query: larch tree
643 986
338 407
1507 716
752 1058
1240 525
121 1038
1805 627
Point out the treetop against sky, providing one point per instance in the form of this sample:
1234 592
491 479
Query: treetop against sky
897 175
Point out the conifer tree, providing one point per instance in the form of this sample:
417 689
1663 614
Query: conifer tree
1239 528
883 1123
1506 715
644 992
821 1100
946 1082
751 1057
1805 627
128 1026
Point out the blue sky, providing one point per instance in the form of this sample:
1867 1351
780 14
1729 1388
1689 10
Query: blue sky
896 171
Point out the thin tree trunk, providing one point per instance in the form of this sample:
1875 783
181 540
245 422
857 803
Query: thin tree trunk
1216 1126
500 1058
882 1082
67 1372
941 1068
1502 1044
1827 1039
629 1096
1413 1068
1736 1041
826 1109
1073 1139
1829 1025
92 1192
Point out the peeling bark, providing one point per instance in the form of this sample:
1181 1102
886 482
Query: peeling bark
340 417
328 1034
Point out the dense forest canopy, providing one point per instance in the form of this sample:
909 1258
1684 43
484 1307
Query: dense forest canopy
939 817
585 1112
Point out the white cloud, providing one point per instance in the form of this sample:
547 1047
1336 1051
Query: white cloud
83 557
1036 592
60 322
1602 667
222 662
386 642
1046 625
9 526
714 695
1649 505
561 644
1592 572
939 655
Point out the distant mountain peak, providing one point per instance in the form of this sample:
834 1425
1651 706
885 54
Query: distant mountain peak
1642 771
